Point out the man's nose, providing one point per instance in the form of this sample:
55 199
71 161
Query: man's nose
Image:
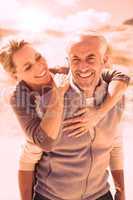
83 66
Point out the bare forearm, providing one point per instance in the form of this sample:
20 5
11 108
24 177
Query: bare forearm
115 91
26 180
51 121
118 177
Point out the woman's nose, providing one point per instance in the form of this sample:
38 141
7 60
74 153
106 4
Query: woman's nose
39 66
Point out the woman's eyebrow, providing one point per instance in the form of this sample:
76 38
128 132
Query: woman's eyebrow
37 54
27 63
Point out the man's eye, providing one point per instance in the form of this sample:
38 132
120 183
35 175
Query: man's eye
75 61
91 60
28 67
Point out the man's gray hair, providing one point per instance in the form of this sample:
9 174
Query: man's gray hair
84 36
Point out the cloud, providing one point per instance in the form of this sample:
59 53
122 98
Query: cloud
86 19
8 12
54 30
67 2
90 19
32 18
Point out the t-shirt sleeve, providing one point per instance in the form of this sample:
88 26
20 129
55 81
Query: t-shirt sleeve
25 109
113 75
29 156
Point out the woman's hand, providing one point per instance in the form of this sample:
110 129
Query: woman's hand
83 121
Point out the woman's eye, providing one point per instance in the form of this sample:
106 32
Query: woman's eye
28 67
38 57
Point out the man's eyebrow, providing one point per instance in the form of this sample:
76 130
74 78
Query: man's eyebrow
74 56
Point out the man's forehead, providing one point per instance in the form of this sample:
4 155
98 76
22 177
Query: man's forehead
85 47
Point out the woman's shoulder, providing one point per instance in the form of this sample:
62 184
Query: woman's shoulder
20 94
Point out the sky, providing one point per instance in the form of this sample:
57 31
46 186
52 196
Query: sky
55 19
65 15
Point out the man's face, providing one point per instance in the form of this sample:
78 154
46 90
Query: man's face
31 67
86 62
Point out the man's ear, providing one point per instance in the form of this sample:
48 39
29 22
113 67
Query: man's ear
106 61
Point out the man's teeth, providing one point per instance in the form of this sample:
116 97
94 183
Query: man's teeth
84 75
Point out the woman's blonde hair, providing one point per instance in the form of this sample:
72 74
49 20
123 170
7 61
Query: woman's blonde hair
6 55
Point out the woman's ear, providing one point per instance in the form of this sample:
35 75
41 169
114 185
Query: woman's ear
14 76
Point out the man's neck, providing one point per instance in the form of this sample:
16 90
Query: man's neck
88 93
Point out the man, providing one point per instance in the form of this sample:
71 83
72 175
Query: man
66 157
76 166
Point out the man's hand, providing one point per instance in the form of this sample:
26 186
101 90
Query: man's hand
84 120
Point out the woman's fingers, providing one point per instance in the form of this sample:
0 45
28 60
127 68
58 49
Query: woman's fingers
81 133
72 120
65 85
80 130
80 112
72 127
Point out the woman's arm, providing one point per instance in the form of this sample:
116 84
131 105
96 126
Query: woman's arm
87 118
26 182
29 157
41 132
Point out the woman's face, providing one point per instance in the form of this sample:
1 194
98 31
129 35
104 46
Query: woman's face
31 67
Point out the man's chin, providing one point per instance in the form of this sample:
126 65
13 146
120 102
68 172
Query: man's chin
86 83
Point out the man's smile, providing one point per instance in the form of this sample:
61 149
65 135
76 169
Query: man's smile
85 74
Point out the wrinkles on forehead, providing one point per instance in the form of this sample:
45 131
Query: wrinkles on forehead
85 49
97 42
